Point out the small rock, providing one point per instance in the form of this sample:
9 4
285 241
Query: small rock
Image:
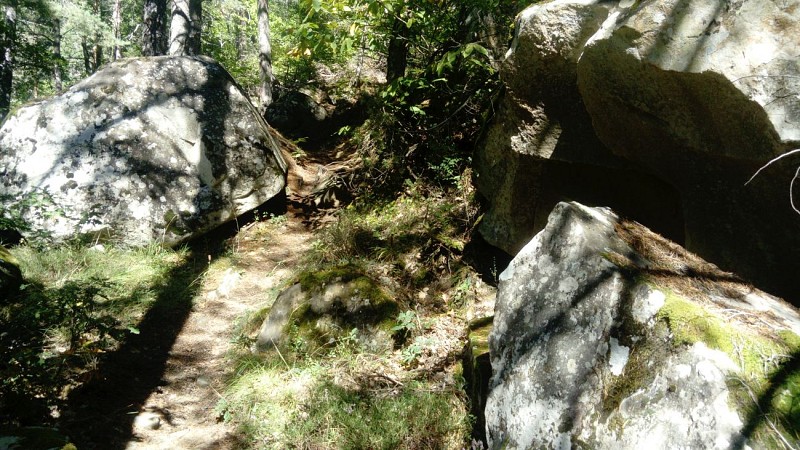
147 421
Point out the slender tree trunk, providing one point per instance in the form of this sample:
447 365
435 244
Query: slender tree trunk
86 49
58 84
97 54
97 49
8 40
397 54
153 40
185 27
116 23
264 55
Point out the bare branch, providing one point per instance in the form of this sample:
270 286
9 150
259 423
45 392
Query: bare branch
791 184
789 153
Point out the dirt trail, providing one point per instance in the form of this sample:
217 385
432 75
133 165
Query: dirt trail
181 413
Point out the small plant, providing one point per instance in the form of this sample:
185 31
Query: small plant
14 209
406 321
411 354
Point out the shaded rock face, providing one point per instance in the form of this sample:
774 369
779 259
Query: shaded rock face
319 316
312 116
542 149
681 100
10 274
145 150
584 354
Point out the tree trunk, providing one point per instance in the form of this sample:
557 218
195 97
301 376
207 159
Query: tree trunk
97 54
58 84
153 40
264 55
397 54
97 49
86 49
8 40
116 23
185 27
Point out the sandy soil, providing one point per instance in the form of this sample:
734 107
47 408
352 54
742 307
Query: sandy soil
181 413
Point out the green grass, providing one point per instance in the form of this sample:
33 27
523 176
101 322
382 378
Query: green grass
276 406
75 305
416 239
298 397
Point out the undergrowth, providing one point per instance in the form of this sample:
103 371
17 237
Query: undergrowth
76 304
415 240
351 395
283 402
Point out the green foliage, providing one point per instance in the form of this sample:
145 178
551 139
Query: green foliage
406 321
16 208
230 31
425 123
78 304
303 408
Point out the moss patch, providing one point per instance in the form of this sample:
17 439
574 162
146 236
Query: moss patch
767 392
313 281
362 312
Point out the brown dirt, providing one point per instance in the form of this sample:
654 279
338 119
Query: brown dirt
265 255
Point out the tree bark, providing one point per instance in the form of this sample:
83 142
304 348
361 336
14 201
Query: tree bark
264 55
8 40
58 83
116 23
153 40
397 53
185 27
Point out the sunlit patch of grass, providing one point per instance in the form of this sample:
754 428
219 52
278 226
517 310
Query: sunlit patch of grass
278 405
415 241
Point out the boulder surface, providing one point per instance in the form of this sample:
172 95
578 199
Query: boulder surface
145 150
326 307
606 335
661 110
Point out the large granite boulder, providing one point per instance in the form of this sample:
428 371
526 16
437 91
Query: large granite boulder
606 335
541 147
661 110
703 93
145 150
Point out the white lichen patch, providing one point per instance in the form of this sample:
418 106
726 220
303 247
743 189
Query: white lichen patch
646 306
618 357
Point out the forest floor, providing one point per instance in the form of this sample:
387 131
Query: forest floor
182 414
163 392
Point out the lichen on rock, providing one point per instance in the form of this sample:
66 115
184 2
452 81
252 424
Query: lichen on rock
145 150
608 336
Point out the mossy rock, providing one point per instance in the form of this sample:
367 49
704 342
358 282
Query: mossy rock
477 372
10 274
769 362
33 438
329 307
